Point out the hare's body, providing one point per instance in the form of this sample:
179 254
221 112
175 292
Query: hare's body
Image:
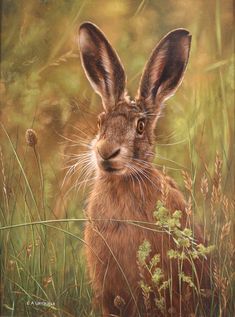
127 186
113 244
116 243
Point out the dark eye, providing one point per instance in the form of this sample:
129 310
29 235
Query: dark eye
140 126
98 123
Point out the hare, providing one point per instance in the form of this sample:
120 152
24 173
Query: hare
127 185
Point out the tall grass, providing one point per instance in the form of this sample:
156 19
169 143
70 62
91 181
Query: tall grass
43 270
42 264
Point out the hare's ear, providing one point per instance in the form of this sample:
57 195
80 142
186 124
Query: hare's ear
102 65
164 71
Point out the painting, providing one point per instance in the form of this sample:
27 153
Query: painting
117 158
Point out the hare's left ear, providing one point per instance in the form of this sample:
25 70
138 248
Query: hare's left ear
102 65
164 71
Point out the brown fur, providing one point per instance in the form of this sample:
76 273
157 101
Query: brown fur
127 186
121 201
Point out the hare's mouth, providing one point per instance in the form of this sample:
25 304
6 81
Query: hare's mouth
108 167
112 170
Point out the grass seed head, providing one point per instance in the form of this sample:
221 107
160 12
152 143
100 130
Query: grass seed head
119 302
29 250
47 281
218 171
225 230
188 208
11 265
31 137
164 187
225 207
188 183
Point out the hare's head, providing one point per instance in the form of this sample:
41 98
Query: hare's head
125 128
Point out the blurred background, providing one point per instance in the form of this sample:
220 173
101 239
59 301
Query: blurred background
43 87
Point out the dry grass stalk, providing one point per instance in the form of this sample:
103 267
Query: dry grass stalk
64 58
4 180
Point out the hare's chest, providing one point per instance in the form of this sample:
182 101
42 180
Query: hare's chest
115 229
111 247
118 206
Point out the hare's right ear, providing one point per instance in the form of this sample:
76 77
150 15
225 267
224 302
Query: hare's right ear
164 71
102 65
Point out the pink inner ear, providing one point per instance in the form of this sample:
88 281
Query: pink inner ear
86 44
101 65
165 69
185 46
157 67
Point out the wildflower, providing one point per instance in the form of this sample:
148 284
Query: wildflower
157 276
187 279
160 304
155 260
143 252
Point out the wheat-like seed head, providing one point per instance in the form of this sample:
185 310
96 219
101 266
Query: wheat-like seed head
187 181
225 230
218 171
147 303
204 186
188 208
164 187
218 175
213 202
225 207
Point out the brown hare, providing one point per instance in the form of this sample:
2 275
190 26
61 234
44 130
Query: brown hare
127 186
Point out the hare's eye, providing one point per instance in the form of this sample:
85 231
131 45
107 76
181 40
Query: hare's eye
140 126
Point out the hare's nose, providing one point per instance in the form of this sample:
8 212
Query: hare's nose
107 153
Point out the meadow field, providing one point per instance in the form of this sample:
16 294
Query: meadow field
43 87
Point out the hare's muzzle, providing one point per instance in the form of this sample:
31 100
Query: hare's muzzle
108 156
